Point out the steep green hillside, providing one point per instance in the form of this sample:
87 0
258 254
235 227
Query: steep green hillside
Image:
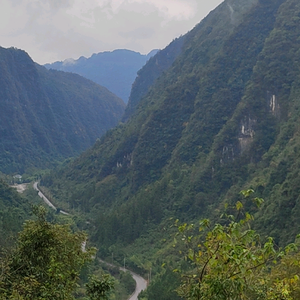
13 211
115 70
222 118
210 34
48 115
147 75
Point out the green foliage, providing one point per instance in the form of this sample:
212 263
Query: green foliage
172 156
123 282
163 287
150 72
230 261
98 289
14 209
222 118
48 115
129 283
285 275
45 263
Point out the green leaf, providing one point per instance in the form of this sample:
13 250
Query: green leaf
247 193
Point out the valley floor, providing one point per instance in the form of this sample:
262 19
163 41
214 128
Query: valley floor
141 283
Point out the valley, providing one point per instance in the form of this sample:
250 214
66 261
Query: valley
194 182
50 116
116 70
46 200
141 283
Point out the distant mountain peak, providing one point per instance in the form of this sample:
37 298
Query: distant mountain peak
116 70
69 62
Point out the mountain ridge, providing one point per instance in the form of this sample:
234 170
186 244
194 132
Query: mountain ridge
222 118
116 70
48 115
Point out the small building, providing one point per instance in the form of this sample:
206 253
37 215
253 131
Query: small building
17 178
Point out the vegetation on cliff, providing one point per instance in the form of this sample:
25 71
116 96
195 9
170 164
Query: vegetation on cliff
222 118
48 115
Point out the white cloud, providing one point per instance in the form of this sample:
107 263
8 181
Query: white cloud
58 29
178 9
12 19
69 62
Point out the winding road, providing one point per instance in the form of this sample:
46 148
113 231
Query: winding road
46 200
141 283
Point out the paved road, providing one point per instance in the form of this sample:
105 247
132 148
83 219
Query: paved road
46 200
141 283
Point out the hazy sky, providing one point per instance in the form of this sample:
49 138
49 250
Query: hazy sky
51 30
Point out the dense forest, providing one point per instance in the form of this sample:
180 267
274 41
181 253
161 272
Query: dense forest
147 75
42 254
14 210
220 119
46 116
197 188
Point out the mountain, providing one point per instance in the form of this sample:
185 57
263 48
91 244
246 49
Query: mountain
115 70
147 75
48 115
222 118
13 211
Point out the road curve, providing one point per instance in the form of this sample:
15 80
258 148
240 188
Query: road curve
141 283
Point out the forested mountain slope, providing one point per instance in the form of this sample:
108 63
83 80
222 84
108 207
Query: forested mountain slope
222 118
48 115
13 211
147 75
115 70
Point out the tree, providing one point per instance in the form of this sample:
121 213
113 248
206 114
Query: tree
99 289
230 262
284 277
45 263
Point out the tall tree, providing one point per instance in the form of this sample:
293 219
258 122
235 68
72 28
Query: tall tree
230 261
45 263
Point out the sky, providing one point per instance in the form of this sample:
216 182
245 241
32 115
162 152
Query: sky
54 30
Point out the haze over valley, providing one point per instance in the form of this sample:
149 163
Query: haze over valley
181 166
